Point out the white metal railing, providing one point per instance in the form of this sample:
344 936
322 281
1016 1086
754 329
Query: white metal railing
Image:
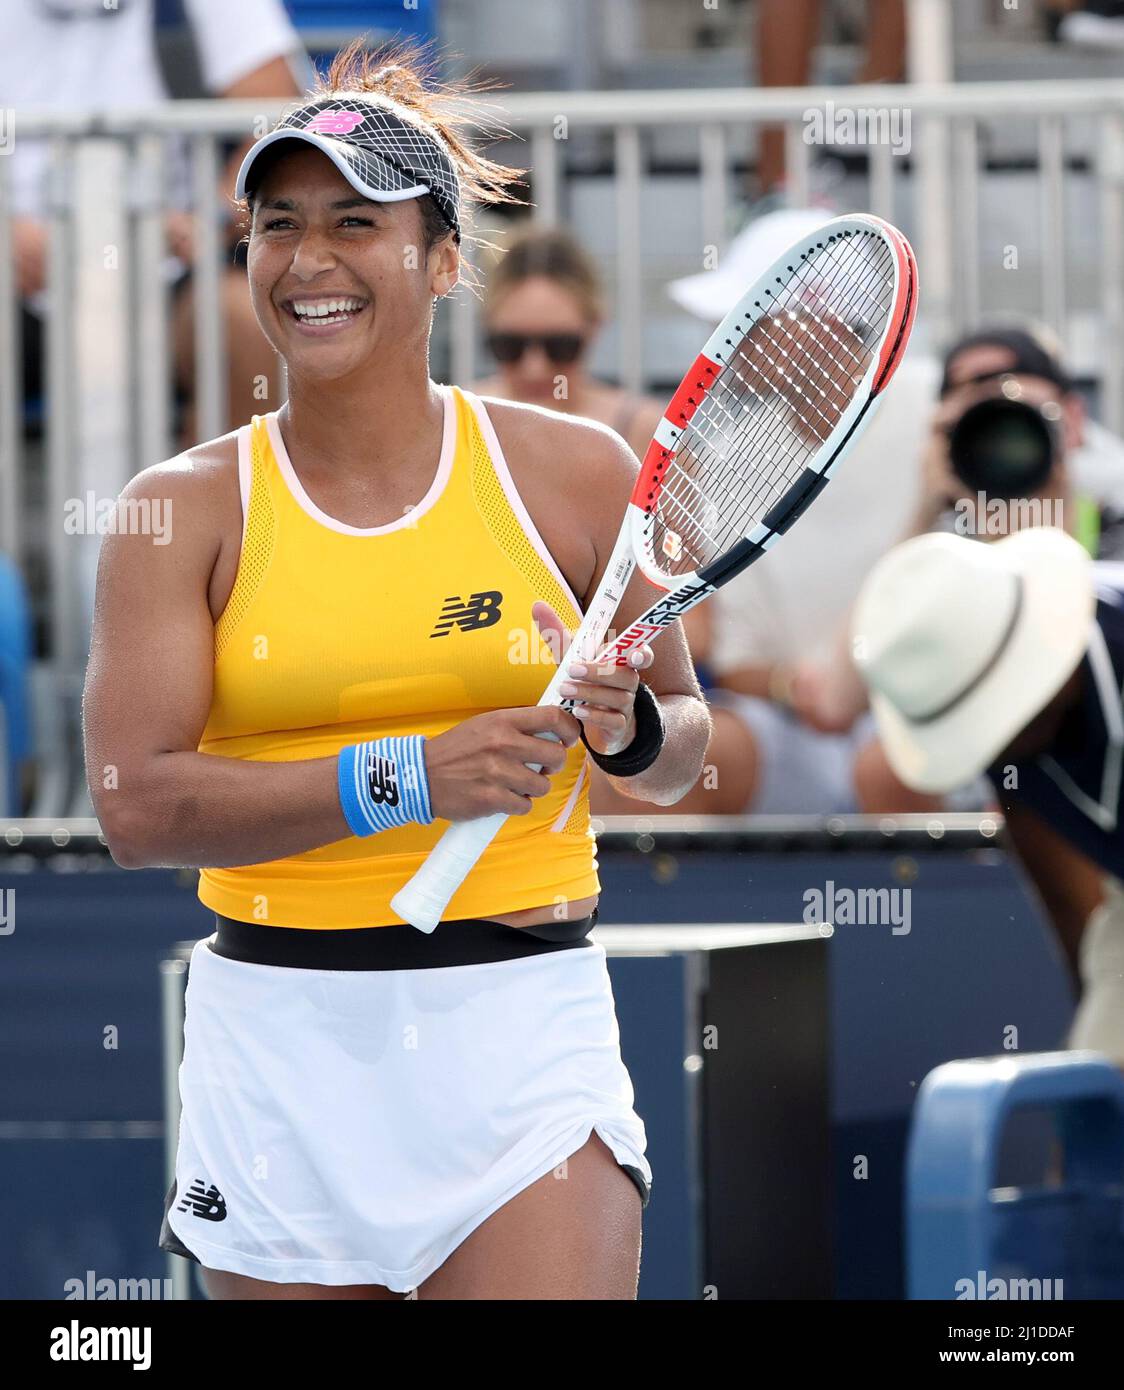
108 382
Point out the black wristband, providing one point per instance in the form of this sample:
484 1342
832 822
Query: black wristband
645 748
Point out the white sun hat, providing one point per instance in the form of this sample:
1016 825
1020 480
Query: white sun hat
711 294
963 642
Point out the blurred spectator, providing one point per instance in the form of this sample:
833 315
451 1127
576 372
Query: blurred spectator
1097 24
544 306
787 610
1009 658
787 31
15 709
85 54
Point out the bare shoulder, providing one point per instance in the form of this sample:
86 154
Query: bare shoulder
192 502
575 477
206 471
584 457
198 488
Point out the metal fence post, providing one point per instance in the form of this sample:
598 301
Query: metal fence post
11 386
172 985
630 343
151 365
1110 165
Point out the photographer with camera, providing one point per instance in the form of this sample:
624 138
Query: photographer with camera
1001 440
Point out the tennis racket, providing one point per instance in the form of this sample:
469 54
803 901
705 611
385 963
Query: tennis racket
759 424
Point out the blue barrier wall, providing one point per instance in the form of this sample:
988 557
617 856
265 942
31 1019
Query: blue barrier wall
80 1132
978 960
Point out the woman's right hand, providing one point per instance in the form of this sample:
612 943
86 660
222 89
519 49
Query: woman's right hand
479 768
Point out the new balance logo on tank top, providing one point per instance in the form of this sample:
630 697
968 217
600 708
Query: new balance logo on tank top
327 640
481 610
1075 787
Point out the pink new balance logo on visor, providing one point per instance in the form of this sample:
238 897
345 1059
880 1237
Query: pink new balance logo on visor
335 122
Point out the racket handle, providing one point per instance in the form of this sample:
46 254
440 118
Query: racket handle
422 901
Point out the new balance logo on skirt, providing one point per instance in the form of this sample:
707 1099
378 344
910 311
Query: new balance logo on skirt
480 610
207 1202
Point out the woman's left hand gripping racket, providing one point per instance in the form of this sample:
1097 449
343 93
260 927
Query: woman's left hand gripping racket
759 424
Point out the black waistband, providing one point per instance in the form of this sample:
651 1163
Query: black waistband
467 941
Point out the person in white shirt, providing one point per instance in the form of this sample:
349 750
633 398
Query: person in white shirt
99 54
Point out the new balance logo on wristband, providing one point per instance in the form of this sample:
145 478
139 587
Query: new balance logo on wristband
382 780
480 610
383 784
207 1202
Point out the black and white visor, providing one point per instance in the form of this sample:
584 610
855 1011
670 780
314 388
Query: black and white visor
382 155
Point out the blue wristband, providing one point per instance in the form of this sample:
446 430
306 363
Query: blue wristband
383 783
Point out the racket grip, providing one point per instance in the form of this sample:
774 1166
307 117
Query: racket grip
422 901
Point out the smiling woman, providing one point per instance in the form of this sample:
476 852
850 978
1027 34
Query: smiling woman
304 688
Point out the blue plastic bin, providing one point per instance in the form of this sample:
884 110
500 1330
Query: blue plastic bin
966 1237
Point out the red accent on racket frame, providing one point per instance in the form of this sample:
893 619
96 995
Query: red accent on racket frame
646 489
687 399
692 389
905 306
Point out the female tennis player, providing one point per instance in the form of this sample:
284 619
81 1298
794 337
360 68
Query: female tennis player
339 653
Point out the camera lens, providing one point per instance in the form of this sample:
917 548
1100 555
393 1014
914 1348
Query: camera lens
1003 448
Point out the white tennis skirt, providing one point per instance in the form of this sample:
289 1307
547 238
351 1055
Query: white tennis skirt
354 1126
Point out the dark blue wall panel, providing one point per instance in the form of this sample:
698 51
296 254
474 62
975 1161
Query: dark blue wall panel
84 955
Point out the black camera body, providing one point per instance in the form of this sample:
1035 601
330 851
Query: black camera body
1003 447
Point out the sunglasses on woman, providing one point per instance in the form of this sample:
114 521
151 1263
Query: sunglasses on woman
560 348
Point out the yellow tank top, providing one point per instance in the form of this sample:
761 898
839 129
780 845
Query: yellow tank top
334 634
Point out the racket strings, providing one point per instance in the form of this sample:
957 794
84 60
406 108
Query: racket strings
830 362
819 362
782 391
